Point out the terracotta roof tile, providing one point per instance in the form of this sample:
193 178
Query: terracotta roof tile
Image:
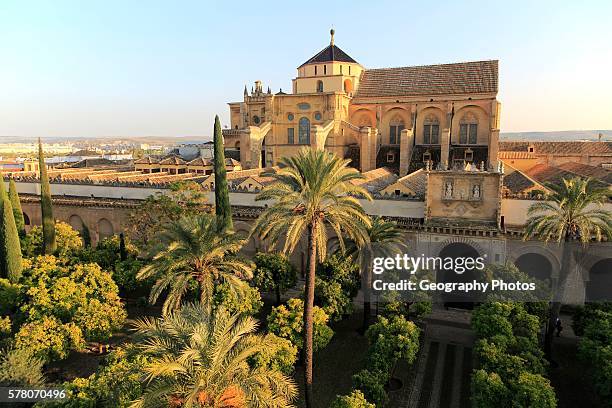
415 181
443 79
548 174
552 174
200 161
174 160
377 179
515 155
586 170
558 148
147 160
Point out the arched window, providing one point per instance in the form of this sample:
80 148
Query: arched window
395 129
315 70
319 86
105 229
304 131
324 69
76 222
468 129
431 130
26 219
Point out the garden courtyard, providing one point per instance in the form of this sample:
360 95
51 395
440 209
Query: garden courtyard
172 312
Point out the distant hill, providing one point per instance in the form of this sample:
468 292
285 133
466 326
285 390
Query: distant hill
164 140
560 136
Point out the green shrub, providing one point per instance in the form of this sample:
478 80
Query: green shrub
584 314
69 242
280 357
81 294
5 327
488 390
115 384
108 252
355 400
49 339
19 367
341 269
372 385
510 358
595 347
287 321
491 319
493 357
273 273
531 353
11 296
249 304
534 391
419 305
331 297
124 275
393 339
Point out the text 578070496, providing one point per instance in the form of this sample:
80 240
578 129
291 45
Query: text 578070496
21 394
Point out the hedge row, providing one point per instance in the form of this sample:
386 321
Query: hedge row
511 364
594 324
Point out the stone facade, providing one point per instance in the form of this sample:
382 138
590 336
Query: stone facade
395 117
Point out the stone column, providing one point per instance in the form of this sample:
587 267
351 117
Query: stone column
406 137
245 148
444 146
253 135
493 147
367 148
317 137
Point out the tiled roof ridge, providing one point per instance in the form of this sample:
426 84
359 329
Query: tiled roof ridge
524 174
472 77
410 175
430 65
546 147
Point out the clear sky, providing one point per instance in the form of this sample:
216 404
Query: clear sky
165 68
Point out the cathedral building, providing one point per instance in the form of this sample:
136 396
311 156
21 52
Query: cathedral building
398 118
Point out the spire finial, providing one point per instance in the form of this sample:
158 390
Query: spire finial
332 32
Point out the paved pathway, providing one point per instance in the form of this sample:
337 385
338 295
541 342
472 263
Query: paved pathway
442 371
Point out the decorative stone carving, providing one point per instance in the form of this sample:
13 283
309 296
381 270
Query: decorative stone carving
448 189
476 191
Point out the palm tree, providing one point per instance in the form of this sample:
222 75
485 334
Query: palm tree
313 191
383 238
198 359
572 213
191 250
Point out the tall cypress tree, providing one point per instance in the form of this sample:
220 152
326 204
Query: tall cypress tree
48 223
16 205
122 249
86 236
11 246
3 196
223 210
